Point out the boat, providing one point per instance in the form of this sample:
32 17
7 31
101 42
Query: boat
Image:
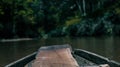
83 58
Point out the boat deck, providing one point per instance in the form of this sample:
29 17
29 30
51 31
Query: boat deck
54 56
59 56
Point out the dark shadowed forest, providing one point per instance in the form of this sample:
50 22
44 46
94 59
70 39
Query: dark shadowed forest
56 18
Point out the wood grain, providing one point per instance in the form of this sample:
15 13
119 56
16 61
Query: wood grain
61 57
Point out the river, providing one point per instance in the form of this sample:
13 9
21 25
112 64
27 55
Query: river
105 46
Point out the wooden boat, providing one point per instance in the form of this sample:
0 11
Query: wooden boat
84 58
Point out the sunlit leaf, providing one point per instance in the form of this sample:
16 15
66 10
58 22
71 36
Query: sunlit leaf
22 12
117 10
72 21
29 0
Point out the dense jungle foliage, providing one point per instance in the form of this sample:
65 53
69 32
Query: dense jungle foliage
56 18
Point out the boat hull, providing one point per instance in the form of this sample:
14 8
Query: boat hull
83 57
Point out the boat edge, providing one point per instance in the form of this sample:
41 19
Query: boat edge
24 61
102 60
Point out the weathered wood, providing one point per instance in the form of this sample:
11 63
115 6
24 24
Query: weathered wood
104 65
52 57
60 56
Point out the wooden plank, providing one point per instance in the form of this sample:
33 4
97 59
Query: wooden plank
55 56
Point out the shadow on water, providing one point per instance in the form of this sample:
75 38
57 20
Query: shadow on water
106 46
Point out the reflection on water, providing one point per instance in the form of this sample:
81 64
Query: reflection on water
106 46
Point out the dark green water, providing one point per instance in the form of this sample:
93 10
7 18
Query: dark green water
106 46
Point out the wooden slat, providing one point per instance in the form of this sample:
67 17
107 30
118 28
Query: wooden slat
52 57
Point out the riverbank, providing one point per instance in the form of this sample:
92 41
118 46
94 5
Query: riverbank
56 19
16 39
